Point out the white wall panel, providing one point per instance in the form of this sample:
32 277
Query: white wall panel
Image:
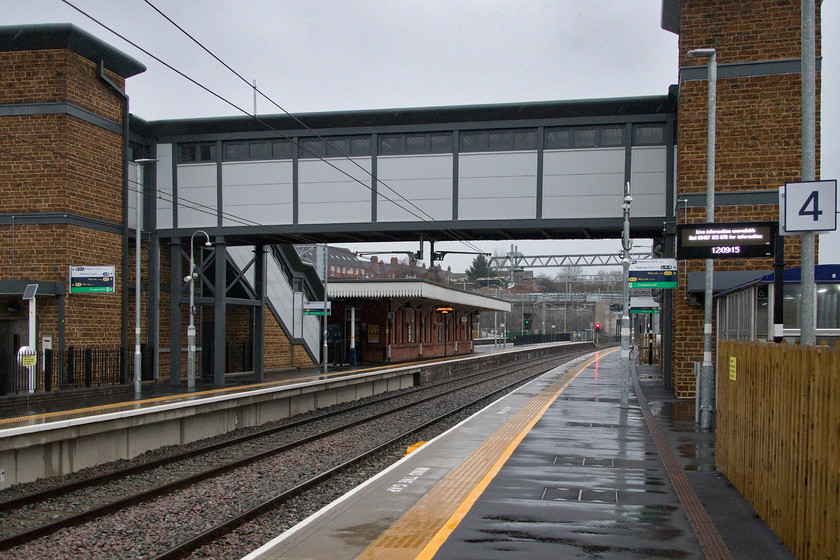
328 196
197 195
647 181
257 191
497 186
133 194
164 186
424 180
583 183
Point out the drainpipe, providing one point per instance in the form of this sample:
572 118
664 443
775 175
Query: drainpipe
124 299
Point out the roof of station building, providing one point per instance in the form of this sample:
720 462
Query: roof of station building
413 288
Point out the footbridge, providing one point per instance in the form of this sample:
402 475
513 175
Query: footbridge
551 170
547 170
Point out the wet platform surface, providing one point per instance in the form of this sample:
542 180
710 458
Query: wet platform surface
584 479
586 482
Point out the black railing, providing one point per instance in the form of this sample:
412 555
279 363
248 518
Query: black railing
525 339
239 357
74 368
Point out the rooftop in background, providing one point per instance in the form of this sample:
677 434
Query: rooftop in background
413 288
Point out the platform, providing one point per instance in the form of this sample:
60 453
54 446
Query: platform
556 469
62 435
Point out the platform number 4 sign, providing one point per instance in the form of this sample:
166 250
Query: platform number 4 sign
810 206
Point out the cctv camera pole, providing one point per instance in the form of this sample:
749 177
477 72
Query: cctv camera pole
625 315
325 350
191 329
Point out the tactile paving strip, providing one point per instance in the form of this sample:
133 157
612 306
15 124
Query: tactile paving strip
707 535
413 535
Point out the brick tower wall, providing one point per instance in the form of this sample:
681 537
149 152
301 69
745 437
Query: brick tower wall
62 164
758 136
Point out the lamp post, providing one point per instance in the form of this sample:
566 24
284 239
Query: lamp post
624 384
138 226
191 329
707 368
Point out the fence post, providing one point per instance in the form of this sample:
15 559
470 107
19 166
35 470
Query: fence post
88 365
71 366
123 377
48 370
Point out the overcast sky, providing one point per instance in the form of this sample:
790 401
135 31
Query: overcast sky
311 56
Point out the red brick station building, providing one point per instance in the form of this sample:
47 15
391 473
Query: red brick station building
73 158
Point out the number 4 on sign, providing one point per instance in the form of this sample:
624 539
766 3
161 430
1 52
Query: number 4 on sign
810 206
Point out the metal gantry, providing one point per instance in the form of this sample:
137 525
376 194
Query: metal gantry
518 260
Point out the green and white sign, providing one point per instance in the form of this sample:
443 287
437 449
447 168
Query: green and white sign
92 279
317 308
653 273
643 306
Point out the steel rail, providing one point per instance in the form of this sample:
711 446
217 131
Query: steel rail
181 550
31 534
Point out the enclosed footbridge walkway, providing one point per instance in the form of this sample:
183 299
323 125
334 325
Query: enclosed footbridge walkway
546 170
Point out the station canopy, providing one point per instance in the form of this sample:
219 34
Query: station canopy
414 289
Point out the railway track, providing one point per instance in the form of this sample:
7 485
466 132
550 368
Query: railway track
38 515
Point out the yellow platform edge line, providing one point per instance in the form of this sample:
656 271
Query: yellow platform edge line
383 545
440 537
130 405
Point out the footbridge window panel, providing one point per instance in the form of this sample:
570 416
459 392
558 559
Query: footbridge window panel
257 192
647 181
197 195
163 182
583 183
498 140
415 143
414 188
497 185
335 190
134 191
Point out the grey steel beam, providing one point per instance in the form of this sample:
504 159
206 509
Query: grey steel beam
153 322
259 313
220 316
175 283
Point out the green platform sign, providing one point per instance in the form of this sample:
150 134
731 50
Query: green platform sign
317 308
643 306
92 279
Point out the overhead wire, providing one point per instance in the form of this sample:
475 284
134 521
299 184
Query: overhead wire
298 121
255 117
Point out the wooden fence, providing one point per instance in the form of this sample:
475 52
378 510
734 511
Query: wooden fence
778 438
649 345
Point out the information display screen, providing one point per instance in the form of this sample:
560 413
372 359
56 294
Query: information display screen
744 240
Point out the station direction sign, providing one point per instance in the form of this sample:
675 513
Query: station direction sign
317 308
643 305
654 273
92 279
